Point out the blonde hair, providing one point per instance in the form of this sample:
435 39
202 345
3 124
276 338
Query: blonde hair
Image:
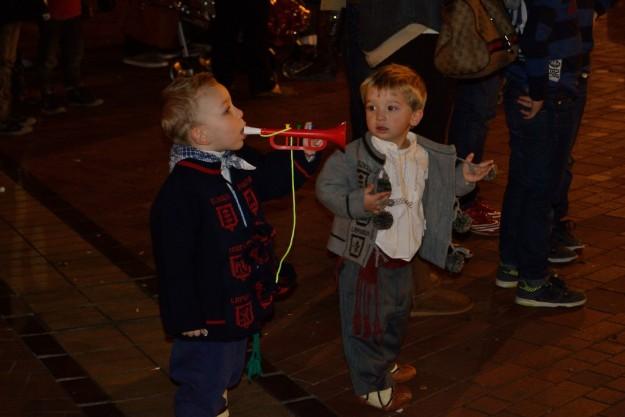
180 105
397 77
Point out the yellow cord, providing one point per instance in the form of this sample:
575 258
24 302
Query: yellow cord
286 129
288 249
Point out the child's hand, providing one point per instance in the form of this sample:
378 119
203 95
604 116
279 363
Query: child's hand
475 172
195 333
375 202
316 144
531 107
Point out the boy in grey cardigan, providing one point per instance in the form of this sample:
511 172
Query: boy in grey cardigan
392 194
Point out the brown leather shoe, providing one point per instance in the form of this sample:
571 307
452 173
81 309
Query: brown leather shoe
403 373
440 302
400 397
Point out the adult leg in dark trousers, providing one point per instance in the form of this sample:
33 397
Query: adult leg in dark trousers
9 38
475 106
357 70
562 233
418 54
62 38
248 18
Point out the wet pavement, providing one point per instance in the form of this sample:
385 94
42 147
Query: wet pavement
79 327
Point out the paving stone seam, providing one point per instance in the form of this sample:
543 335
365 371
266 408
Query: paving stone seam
25 340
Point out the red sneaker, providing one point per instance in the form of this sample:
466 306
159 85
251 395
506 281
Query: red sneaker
481 205
485 220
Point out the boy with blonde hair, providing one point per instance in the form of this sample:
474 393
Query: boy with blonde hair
211 242
392 193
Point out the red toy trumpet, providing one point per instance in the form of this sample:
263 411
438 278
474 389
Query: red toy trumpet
301 139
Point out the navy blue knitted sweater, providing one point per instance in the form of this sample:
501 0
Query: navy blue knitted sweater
551 47
585 12
213 247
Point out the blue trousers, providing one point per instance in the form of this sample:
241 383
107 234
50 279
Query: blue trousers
203 371
369 358
561 201
539 149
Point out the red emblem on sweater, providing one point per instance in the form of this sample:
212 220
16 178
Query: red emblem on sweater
252 201
244 315
264 302
227 216
239 269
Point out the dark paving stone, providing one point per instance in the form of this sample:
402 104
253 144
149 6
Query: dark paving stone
309 408
64 367
281 387
102 410
27 325
43 345
13 306
84 391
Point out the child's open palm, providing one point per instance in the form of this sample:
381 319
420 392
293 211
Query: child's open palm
475 172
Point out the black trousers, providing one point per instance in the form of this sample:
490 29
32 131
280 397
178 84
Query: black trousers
60 39
418 54
245 20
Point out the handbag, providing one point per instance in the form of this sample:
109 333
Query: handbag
476 39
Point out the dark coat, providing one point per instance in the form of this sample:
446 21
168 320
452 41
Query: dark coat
213 247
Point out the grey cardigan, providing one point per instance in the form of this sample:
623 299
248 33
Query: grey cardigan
340 187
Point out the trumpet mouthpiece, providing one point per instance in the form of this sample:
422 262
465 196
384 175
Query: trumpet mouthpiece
249 130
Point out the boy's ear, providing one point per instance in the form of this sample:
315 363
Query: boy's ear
198 136
416 117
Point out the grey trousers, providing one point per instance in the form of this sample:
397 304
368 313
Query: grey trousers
387 303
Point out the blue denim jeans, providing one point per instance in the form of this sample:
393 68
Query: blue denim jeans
475 106
539 148
561 201
203 371
370 358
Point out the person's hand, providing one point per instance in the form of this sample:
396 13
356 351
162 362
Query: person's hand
375 202
310 155
195 333
312 144
531 107
475 172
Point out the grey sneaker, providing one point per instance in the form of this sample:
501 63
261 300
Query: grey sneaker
507 276
560 254
552 293
563 234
